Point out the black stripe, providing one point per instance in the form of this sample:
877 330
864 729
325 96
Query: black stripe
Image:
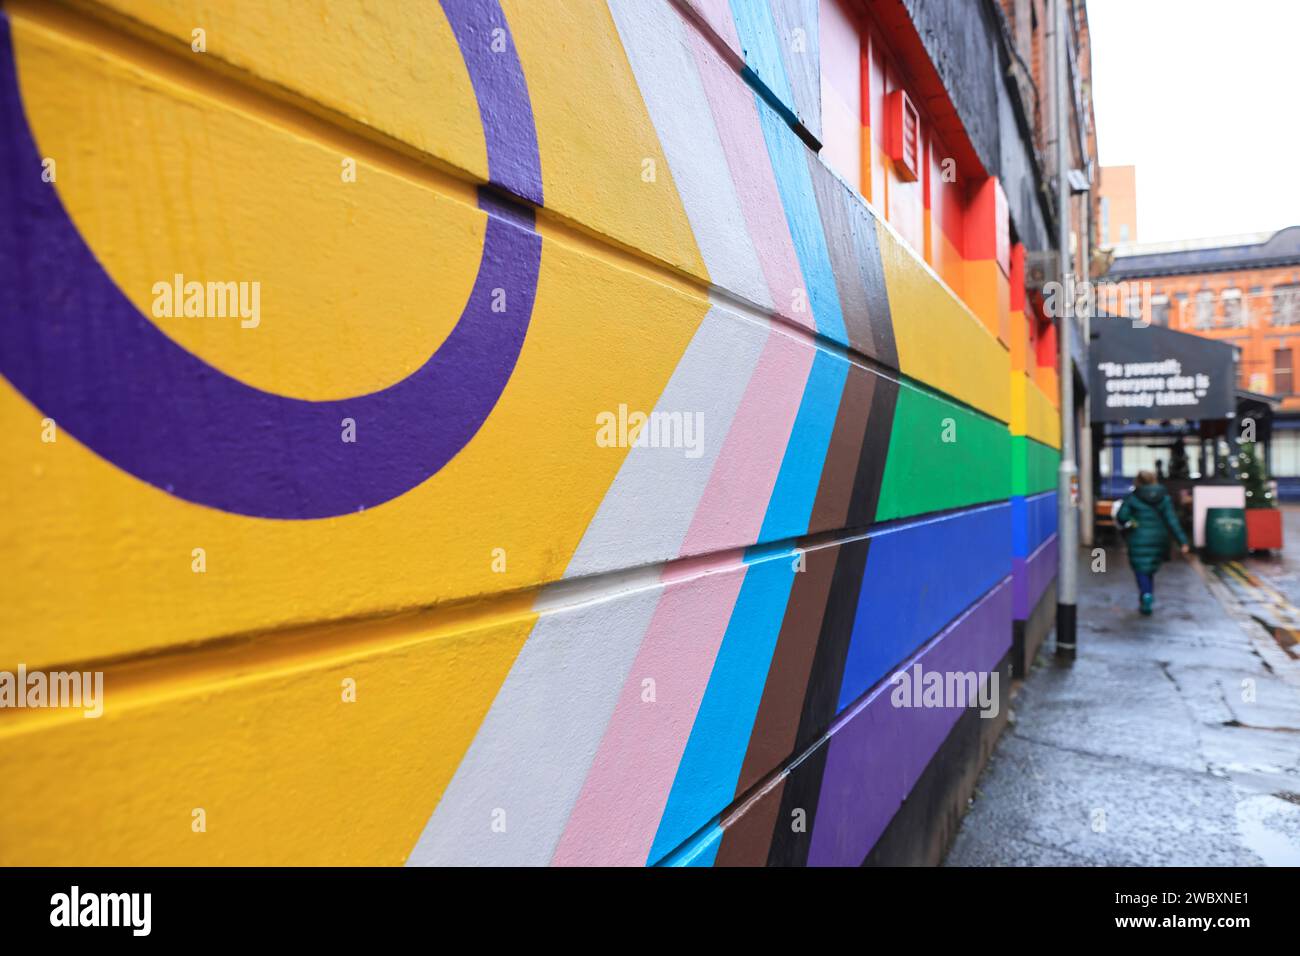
875 450
802 789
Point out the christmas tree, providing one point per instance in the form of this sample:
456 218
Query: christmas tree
1254 476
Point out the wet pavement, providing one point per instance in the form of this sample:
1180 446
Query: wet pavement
1171 740
1281 569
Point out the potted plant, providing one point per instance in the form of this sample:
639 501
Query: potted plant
1263 519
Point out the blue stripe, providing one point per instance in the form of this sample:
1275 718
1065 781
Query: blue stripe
793 181
766 73
702 851
919 577
710 766
790 508
760 46
1033 521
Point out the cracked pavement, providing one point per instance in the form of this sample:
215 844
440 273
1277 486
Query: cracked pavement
1172 740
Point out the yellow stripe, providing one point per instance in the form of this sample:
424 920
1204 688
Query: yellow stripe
97 559
940 341
395 71
1031 412
268 748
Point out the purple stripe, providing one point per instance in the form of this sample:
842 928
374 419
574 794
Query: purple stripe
1031 576
488 48
878 751
74 345
506 207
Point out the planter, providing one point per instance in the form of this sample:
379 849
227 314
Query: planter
1264 529
1225 534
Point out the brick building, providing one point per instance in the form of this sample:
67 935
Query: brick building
1117 206
1244 290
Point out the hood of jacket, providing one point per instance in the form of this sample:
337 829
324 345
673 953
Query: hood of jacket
1150 494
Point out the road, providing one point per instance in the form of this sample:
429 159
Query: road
1172 740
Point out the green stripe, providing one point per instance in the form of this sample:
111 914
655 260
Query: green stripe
1033 466
941 455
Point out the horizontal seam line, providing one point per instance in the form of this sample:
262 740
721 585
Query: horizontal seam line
208 663
146 48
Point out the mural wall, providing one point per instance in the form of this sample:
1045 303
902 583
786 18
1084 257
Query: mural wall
480 433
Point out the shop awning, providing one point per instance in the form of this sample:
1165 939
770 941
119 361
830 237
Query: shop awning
1150 373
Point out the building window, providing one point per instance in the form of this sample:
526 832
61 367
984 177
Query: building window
1255 304
1160 310
1234 316
1145 452
1281 371
1286 304
1123 232
1285 446
841 87
1105 219
1204 309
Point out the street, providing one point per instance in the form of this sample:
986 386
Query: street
1172 740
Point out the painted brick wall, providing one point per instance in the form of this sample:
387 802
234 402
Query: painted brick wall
384 570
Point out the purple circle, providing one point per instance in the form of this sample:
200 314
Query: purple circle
77 349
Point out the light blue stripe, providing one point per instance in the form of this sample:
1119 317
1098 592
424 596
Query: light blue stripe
793 181
760 45
790 508
706 777
710 766
789 157
699 852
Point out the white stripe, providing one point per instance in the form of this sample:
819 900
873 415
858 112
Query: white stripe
539 738
649 508
654 37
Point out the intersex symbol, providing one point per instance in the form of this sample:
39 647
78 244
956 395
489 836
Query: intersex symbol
75 346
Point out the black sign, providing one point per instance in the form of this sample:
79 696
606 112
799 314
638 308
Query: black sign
1150 373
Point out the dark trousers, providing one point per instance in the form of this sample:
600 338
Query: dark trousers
1146 582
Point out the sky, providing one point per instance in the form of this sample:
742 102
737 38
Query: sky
1203 96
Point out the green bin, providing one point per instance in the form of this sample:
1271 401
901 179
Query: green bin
1225 533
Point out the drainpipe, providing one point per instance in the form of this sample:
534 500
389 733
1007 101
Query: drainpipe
1086 496
1067 484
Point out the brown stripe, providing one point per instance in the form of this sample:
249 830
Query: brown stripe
843 217
840 470
801 685
821 696
747 835
777 721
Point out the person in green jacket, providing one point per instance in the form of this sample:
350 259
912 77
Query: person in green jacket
1147 517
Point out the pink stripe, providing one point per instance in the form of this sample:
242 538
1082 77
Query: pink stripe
735 115
617 813
614 820
735 500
